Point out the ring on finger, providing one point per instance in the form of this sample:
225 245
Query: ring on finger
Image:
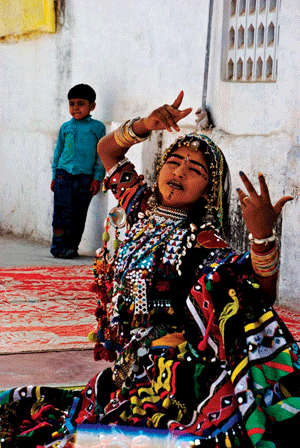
246 197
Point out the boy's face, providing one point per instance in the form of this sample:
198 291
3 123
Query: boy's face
80 108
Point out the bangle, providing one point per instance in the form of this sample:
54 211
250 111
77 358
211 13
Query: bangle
126 137
265 264
270 239
120 139
131 132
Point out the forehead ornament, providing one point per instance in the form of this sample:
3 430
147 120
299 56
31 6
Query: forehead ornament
195 145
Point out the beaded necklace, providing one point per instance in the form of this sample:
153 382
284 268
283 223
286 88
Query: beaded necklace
147 236
163 231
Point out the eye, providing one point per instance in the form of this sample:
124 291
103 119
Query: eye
196 171
172 162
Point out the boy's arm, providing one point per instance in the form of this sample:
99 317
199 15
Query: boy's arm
99 170
57 152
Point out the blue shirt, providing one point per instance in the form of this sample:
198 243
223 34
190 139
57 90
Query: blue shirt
76 148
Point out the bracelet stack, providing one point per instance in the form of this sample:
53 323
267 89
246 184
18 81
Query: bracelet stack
125 135
265 264
270 239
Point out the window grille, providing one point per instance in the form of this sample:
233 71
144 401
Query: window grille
250 40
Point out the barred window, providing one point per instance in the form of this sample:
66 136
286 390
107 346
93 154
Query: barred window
250 40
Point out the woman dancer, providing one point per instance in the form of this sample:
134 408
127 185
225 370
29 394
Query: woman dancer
202 351
198 349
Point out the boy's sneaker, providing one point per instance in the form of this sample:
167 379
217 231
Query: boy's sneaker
69 253
65 253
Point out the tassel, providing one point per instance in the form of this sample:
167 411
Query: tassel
203 344
92 337
227 441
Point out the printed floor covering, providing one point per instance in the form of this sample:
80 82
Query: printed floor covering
52 309
46 308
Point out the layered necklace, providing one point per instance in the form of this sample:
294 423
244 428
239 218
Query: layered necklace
165 225
163 232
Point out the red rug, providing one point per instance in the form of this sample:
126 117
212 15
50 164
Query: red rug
291 320
51 308
46 308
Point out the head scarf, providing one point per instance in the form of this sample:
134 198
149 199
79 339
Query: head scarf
213 212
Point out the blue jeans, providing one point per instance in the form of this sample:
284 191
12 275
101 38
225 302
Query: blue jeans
72 198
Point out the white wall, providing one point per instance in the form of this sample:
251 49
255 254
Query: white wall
135 55
258 128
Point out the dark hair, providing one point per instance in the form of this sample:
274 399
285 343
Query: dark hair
83 91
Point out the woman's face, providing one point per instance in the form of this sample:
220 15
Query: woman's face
183 179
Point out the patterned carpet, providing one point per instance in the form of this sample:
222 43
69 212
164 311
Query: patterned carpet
52 308
45 309
291 320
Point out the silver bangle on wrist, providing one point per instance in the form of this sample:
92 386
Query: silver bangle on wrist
131 132
270 239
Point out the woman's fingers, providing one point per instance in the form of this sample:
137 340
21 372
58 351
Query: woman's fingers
244 199
280 204
164 120
169 116
178 100
264 191
251 190
258 212
175 114
184 113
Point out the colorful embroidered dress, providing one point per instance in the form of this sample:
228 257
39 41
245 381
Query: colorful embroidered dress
212 359
199 350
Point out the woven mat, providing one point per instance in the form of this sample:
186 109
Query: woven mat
52 308
46 308
291 320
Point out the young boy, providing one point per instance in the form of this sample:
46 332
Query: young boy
77 171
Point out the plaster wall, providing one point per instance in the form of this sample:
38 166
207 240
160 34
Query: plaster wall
136 55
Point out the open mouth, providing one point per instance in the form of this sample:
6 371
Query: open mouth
175 185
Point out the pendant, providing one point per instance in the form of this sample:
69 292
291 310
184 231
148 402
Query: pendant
117 217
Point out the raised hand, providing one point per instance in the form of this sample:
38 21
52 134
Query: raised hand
167 116
258 212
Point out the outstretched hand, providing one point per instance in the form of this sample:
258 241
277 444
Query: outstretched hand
167 116
258 212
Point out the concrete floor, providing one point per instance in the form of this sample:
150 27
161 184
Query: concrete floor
16 251
67 368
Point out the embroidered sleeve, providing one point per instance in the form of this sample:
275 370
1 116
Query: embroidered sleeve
128 188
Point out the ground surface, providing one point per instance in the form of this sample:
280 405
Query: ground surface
53 368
